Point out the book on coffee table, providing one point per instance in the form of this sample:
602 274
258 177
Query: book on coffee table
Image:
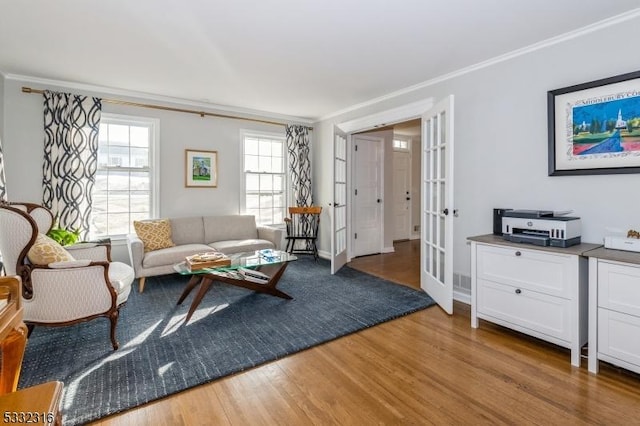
254 276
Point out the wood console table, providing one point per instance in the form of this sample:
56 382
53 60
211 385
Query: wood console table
37 404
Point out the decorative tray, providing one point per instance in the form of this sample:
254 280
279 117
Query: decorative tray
207 260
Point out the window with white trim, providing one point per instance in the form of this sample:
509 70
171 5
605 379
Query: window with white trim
264 177
125 189
401 144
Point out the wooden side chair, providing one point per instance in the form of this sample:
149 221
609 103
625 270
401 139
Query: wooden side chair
302 226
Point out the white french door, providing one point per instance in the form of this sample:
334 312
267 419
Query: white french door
436 267
339 203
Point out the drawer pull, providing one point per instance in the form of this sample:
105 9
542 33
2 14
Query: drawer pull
518 291
518 253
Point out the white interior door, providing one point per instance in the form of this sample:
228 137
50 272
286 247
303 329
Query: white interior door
367 198
401 195
339 204
436 268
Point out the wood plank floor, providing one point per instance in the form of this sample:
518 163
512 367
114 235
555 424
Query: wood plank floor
424 368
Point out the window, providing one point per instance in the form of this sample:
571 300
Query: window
400 144
265 188
125 183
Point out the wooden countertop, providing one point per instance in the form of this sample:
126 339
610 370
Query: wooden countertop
578 249
615 255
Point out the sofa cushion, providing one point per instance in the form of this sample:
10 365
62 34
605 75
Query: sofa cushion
232 227
187 230
155 234
45 250
172 255
239 246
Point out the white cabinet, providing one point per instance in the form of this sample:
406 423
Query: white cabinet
614 308
540 291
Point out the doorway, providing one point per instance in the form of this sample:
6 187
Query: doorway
436 189
398 191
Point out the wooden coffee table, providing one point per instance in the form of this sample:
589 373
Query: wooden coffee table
273 267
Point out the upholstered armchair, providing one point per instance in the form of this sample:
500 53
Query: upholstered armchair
61 286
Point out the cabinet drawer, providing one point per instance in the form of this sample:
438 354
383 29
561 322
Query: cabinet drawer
618 336
545 314
547 273
619 287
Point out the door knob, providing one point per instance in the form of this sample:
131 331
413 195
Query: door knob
445 212
379 200
408 198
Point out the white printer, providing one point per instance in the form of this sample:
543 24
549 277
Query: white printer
540 227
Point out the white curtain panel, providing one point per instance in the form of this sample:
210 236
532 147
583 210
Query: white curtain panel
71 124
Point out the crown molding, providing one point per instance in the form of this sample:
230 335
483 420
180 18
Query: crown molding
605 23
130 94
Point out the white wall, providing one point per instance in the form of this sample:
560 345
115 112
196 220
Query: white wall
23 143
501 139
1 108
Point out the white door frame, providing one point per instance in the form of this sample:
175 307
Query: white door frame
392 116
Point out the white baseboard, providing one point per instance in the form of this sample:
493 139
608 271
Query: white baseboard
388 250
462 297
324 254
415 236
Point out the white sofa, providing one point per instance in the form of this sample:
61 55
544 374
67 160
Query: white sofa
191 235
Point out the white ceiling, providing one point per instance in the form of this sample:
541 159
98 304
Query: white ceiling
300 58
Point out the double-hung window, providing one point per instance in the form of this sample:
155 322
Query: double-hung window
264 177
126 185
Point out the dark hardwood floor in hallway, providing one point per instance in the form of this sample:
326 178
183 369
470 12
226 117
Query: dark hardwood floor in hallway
424 368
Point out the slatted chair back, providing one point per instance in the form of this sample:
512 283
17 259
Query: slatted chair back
302 226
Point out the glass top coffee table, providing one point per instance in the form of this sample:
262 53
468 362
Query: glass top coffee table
268 269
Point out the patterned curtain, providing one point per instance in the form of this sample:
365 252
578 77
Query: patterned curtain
299 147
71 125
3 183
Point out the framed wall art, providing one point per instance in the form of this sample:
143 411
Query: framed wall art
201 170
594 128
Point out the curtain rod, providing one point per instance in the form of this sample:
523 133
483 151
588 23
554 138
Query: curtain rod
165 108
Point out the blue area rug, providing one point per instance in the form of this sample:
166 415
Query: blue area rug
233 330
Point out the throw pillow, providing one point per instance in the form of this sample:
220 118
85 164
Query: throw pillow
155 234
45 251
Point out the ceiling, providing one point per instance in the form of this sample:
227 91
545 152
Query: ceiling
306 59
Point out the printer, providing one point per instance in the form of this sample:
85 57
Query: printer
540 227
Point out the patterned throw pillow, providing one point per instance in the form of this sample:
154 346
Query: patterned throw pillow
45 251
155 234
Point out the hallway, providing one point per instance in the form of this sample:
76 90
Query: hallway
401 266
